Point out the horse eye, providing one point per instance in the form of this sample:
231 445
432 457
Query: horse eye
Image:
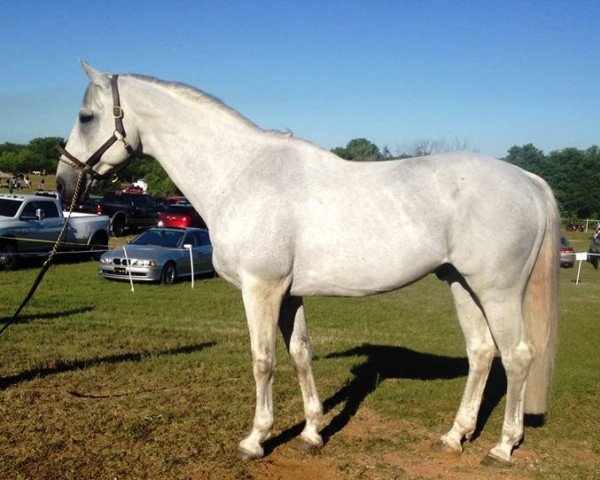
85 116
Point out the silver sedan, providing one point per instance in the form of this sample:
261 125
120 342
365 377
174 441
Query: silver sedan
160 255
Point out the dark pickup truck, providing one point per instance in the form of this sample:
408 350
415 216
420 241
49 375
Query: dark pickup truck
127 211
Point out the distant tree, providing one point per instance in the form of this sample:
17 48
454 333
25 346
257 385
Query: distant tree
341 152
425 146
573 174
9 148
43 150
38 154
386 154
529 158
147 168
9 161
359 149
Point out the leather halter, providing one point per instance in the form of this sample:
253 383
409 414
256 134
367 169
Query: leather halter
118 134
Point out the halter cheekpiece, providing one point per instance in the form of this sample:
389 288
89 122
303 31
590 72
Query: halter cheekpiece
118 134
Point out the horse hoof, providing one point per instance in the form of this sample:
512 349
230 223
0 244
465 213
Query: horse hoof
303 445
443 447
494 462
246 455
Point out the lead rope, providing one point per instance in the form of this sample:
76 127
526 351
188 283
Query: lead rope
50 258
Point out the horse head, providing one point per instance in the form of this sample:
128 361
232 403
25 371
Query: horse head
102 139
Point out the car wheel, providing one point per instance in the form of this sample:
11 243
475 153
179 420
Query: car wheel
8 257
118 226
169 274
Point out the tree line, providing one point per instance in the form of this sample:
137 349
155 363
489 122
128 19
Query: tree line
572 173
40 155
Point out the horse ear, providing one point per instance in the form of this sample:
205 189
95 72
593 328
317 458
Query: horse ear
95 76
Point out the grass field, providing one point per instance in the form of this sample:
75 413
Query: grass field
49 184
97 382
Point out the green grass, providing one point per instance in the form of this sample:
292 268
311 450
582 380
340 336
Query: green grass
99 382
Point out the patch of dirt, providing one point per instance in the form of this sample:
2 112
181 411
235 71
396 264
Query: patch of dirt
375 457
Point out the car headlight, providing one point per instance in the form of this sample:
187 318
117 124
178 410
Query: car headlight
105 260
144 263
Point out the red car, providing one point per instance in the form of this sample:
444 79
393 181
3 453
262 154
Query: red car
181 216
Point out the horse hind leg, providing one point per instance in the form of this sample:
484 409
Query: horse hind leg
480 352
505 319
292 324
262 302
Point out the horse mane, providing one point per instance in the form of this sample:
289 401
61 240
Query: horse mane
195 95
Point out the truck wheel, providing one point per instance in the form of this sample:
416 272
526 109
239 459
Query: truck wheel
8 257
118 226
98 245
169 274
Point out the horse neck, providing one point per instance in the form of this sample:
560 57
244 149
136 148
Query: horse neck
202 145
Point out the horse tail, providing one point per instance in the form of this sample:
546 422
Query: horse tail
540 308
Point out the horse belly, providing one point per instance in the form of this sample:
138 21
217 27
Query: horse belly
360 272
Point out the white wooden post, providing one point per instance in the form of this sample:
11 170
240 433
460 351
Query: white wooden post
187 246
128 267
581 257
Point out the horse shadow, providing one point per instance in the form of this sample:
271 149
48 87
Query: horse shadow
69 366
389 362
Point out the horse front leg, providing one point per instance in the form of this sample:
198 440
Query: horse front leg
292 324
262 303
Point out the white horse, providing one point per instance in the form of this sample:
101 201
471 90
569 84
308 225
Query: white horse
290 219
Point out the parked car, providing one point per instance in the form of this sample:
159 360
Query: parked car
160 203
567 254
176 198
89 205
181 216
159 255
30 224
129 211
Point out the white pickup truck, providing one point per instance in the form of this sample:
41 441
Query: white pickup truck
30 224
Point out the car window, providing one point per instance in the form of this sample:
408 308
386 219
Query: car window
177 209
140 201
30 209
197 239
203 238
113 198
49 208
190 238
8 208
159 237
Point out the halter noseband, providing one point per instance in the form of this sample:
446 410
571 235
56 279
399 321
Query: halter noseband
118 134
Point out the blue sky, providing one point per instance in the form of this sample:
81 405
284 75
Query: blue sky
488 74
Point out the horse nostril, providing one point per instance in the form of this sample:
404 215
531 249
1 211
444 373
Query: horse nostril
60 188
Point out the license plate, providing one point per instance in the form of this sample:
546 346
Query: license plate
120 270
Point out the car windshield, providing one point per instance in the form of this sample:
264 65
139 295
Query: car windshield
179 210
161 237
8 208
